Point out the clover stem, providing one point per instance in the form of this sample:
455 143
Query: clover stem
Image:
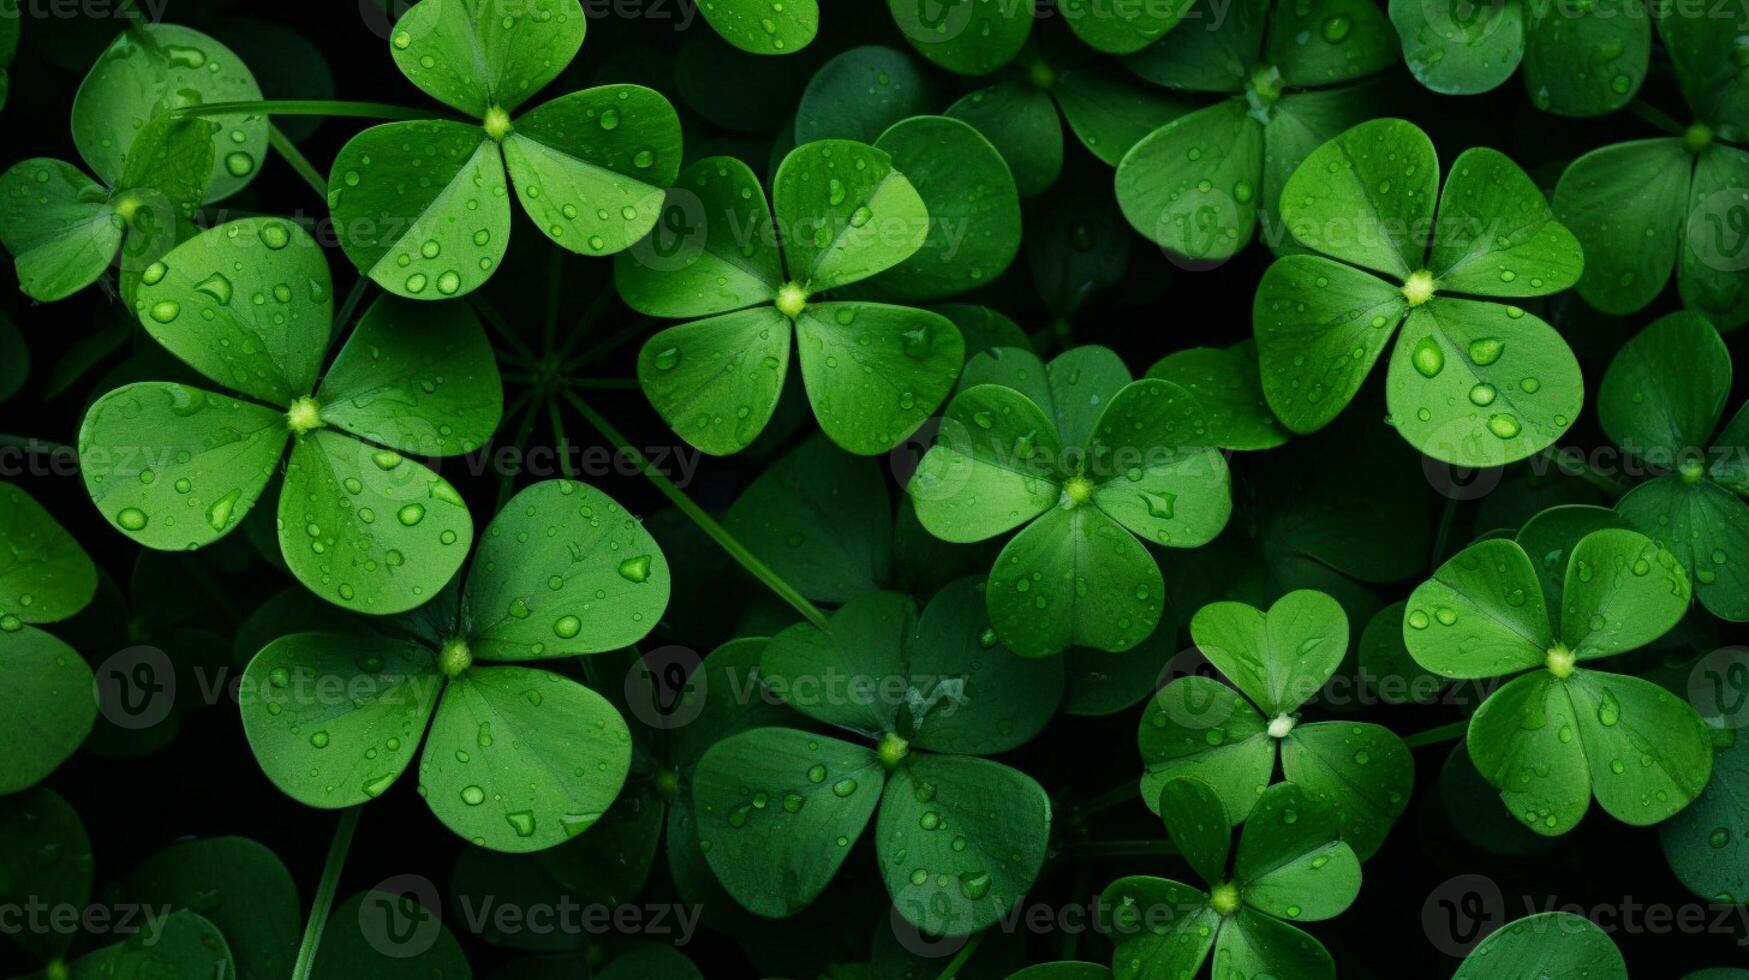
607 384
716 532
1583 469
295 158
302 107
1447 517
325 888
1652 114
1117 796
502 329
343 316
1434 736
1124 848
959 959
560 442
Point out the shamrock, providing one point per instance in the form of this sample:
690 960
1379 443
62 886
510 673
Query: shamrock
1200 184
45 577
873 372
1661 400
1289 866
1579 60
516 758
421 207
1549 944
761 26
959 838
248 305
1643 207
1197 727
1088 460
1552 738
1471 382
1707 844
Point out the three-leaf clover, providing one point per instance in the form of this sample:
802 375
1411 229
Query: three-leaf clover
45 577
1088 460
421 207
248 305
1647 206
1197 727
1579 60
959 838
1289 867
1471 382
873 372
1661 400
516 758
1552 738
1200 184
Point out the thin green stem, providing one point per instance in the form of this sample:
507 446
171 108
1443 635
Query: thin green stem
959 959
758 569
607 384
1447 517
1124 848
563 445
325 888
1434 736
1584 470
348 306
550 325
302 107
283 145
1656 116
586 319
1116 796
501 327
508 481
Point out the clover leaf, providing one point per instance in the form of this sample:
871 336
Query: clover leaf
964 36
1200 184
1196 726
1121 28
1645 207
873 372
1471 382
1088 461
959 838
1707 844
1289 866
45 576
1578 61
1552 738
1227 384
589 168
517 758
1661 400
248 305
36 824
763 27
378 933
1549 944
238 885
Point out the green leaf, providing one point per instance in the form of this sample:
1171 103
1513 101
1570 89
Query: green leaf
1279 658
1199 826
1189 186
846 213
521 759
563 570
965 36
1707 528
334 752
59 225
977 830
1329 41
991 467
1386 667
1496 234
842 675
1064 971
1655 738
716 382
1082 382
1665 388
859 94
1228 385
1624 204
590 167
1363 773
241 887
1586 62
184 945
1252 945
778 810
487 54
1109 112
1551 944
1481 615
1455 49
1700 53
1707 844
1516 741
45 856
419 944
1074 577
1623 591
1122 28
1021 122
366 528
874 373
1099 683
820 519
1362 196
759 27
1549 538
45 576
162 66
47 708
431 226
1015 366
1310 316
1161 928
1198 727
1481 384
1174 489
712 250
972 202
1710 266
966 694
1290 862
172 466
259 327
